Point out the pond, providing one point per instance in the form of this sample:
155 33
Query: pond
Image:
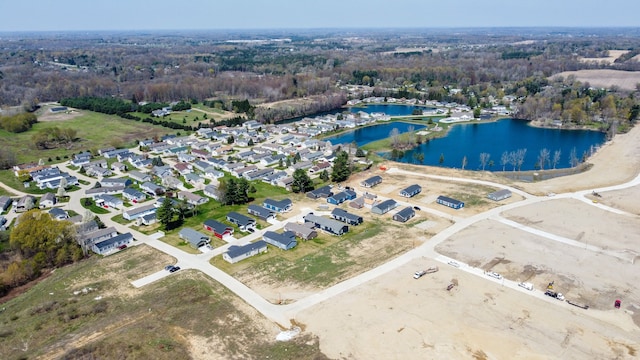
494 138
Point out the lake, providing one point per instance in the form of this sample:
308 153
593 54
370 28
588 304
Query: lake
493 138
365 135
391 110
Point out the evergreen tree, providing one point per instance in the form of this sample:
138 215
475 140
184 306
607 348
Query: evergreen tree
324 175
250 143
301 181
341 170
165 213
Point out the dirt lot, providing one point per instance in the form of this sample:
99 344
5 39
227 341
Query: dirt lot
625 80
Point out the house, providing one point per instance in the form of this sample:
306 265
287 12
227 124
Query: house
116 182
99 172
58 214
243 222
47 200
212 191
104 191
25 203
405 214
284 241
358 203
218 229
258 174
304 231
171 182
183 168
195 238
109 201
237 253
194 179
279 206
329 225
152 189
132 214
452 203
192 198
118 166
134 195
323 192
92 236
105 246
138 176
341 197
384 207
261 212
147 220
319 167
212 173
411 191
5 202
369 198
372 181
500 195
346 217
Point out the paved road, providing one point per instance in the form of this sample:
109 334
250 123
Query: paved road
282 314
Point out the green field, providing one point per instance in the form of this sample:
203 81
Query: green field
113 320
94 130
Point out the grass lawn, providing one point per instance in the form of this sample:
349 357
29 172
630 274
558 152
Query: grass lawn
8 178
94 130
148 323
93 207
322 262
4 192
120 220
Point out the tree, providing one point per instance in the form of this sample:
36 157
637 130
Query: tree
573 158
250 142
280 163
359 153
441 160
464 162
418 157
165 213
324 175
484 158
543 157
230 140
341 170
519 157
288 161
504 160
556 157
394 134
301 182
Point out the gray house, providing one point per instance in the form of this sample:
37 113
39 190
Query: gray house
284 241
304 231
329 225
243 222
405 214
384 207
237 253
132 214
500 195
261 212
372 181
411 191
105 246
5 202
47 200
195 238
346 217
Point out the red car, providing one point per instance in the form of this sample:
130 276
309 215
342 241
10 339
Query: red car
123 246
617 304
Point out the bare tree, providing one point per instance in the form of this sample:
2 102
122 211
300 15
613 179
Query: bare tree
556 157
513 159
484 159
573 158
504 160
543 157
394 134
464 162
520 155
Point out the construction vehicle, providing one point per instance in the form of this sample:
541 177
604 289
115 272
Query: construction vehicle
451 286
582 306
421 273
555 295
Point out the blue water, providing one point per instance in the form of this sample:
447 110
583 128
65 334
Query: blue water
494 138
365 135
391 110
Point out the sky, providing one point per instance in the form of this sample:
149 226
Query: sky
95 15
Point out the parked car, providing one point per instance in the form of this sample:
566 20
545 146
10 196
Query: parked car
416 208
453 263
168 267
174 269
494 275
526 285
123 246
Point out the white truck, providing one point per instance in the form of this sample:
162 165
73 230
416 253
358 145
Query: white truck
526 285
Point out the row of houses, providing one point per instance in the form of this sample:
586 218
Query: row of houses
101 241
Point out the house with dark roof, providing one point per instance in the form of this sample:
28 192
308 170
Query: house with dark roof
304 231
346 217
279 206
500 195
411 191
87 239
104 191
237 253
111 182
284 241
58 214
384 207
108 245
323 192
134 195
372 181
152 189
452 203
261 212
329 225
5 202
243 222
195 238
405 214
139 176
341 197
218 229
147 220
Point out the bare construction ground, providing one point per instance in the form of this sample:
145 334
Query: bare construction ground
625 80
